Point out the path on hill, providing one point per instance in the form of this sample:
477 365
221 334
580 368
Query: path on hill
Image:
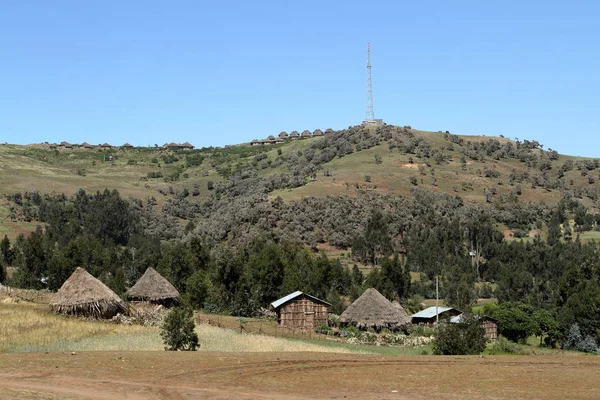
291 376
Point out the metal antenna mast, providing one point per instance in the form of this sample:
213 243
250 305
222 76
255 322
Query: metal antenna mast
370 116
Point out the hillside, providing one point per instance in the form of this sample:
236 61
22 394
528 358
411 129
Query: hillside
386 160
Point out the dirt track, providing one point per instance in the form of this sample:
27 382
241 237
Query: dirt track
163 375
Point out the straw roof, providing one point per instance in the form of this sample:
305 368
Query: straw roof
372 310
84 295
399 307
152 286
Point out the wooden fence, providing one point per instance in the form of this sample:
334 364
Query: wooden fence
259 327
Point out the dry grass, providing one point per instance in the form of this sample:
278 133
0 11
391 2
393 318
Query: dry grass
226 340
29 327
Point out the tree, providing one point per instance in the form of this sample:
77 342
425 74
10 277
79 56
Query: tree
398 276
377 238
466 337
178 330
459 289
5 252
515 321
2 272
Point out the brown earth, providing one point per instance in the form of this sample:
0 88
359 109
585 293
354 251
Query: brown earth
162 375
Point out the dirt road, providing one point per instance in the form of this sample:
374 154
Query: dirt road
165 375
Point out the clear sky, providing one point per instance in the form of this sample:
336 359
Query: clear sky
224 72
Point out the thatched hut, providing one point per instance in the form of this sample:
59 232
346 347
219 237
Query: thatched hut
154 288
85 296
401 309
372 310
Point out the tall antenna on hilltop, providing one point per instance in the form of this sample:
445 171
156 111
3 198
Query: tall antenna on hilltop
370 115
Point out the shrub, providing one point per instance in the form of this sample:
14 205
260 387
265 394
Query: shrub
575 341
573 338
504 346
467 337
178 330
588 345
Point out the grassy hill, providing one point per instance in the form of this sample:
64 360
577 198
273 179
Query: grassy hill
380 168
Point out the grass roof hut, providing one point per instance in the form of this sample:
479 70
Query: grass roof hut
372 310
85 296
154 288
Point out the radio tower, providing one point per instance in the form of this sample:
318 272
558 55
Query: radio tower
370 115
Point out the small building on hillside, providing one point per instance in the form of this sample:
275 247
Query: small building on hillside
283 135
306 133
65 146
85 146
294 135
187 146
373 310
489 324
318 132
301 311
106 146
428 315
127 146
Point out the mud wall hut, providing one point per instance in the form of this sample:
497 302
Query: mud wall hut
301 311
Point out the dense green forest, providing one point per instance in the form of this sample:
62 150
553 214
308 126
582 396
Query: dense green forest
237 247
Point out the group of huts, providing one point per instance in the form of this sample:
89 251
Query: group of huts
106 146
83 295
283 136
370 311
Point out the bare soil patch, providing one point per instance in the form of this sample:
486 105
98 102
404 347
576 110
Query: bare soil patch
165 375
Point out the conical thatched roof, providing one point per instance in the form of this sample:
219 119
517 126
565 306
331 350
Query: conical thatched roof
152 286
372 310
399 307
83 295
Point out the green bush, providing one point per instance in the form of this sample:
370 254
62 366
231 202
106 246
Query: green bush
178 330
323 329
504 346
467 337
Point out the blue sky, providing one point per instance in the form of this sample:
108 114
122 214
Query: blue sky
223 72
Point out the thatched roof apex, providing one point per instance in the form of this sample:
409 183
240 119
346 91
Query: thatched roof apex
372 310
82 294
152 286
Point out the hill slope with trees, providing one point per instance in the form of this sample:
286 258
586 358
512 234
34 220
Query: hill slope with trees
235 228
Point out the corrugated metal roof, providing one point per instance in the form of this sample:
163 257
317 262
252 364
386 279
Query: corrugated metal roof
292 296
430 312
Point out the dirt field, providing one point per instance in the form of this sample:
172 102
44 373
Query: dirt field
162 375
